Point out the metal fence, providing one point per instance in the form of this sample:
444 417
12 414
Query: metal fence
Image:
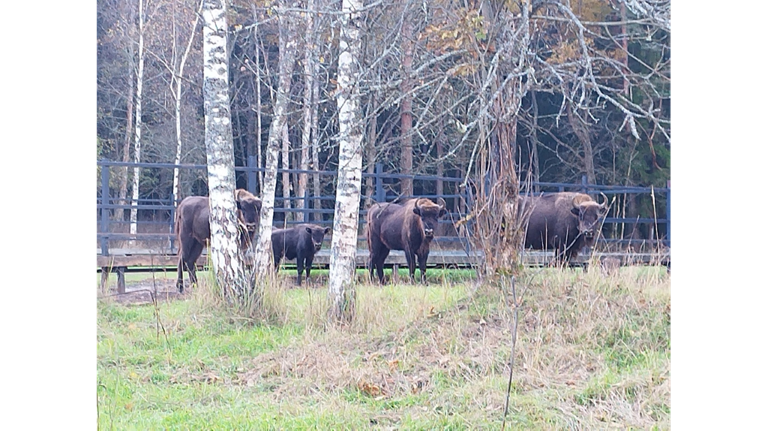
160 228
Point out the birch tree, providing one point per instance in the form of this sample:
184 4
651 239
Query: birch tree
309 83
225 256
137 128
285 157
176 80
344 242
287 41
406 105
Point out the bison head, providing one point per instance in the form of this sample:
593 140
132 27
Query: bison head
589 213
430 213
248 209
317 234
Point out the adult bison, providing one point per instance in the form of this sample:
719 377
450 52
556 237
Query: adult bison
408 225
193 230
300 242
565 222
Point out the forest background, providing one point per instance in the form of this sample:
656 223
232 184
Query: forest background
555 91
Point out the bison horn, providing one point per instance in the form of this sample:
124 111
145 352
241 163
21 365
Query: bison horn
605 199
441 202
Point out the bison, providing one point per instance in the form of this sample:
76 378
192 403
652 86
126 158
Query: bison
408 225
193 230
300 242
565 222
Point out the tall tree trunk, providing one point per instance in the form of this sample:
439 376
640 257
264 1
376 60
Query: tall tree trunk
581 131
224 250
306 132
439 186
534 146
345 221
259 158
500 184
287 41
137 135
624 39
286 157
316 140
406 106
126 156
178 78
371 150
123 184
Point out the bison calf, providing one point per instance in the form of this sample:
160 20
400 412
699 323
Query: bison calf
193 229
300 242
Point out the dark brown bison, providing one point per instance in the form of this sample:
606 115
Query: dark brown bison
565 222
193 230
408 225
300 242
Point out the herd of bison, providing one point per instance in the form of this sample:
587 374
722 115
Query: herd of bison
565 222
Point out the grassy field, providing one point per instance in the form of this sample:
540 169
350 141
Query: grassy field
593 352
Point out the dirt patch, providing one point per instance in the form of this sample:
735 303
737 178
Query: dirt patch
141 292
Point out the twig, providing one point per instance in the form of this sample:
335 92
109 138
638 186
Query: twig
512 356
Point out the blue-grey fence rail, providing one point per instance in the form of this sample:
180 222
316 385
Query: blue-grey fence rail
461 202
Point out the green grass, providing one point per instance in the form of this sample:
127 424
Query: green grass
593 352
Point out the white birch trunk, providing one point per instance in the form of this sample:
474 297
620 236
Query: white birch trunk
177 95
316 141
306 131
344 242
259 161
225 255
123 183
137 132
286 157
263 256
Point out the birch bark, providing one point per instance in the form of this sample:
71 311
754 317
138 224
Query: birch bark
345 222
137 131
225 256
287 41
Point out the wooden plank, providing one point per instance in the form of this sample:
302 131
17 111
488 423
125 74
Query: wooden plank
396 257
148 260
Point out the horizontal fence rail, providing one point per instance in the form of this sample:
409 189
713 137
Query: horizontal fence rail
162 231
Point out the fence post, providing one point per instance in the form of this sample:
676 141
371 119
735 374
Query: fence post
306 205
104 209
669 212
251 174
584 184
380 196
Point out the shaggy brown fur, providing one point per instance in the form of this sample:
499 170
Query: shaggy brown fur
300 242
565 222
193 230
407 226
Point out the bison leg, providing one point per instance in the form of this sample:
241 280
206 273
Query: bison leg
188 258
423 266
411 258
377 262
308 267
180 275
299 268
